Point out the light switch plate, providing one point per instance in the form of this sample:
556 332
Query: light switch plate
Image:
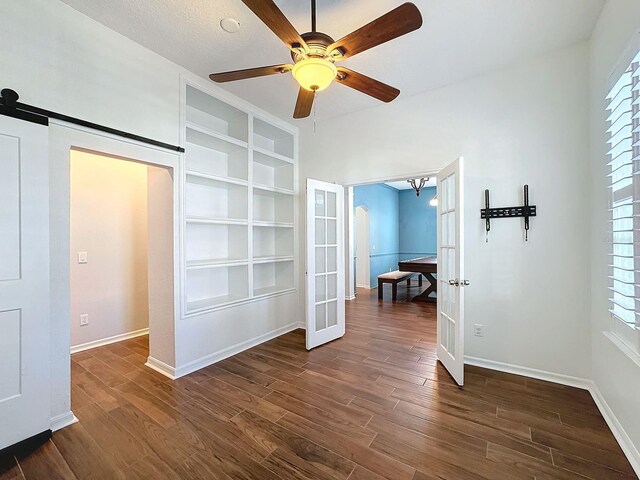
84 319
82 257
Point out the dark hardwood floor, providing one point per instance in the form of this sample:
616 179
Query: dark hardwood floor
372 405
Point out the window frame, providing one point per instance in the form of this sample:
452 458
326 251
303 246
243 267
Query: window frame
624 335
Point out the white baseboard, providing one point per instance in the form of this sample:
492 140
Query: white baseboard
352 297
629 449
108 340
63 420
161 367
233 350
530 372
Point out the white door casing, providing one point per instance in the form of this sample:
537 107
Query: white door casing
325 263
25 398
450 319
362 248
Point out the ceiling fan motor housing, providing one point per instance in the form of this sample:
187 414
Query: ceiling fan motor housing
317 42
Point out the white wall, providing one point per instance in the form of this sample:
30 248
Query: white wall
58 59
524 124
615 374
109 222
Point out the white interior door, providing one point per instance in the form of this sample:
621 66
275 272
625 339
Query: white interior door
325 262
451 270
24 281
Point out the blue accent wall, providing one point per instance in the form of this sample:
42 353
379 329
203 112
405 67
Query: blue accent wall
418 224
384 240
401 225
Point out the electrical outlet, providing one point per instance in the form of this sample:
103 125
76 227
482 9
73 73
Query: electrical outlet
478 330
82 257
84 319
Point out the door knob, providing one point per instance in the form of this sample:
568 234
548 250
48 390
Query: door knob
455 282
465 283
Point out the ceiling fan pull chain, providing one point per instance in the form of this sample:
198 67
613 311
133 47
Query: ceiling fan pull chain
314 113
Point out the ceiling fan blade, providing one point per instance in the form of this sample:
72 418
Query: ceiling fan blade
249 73
304 103
272 17
399 21
367 85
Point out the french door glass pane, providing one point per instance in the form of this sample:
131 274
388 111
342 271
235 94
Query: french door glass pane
444 330
321 259
321 288
332 238
331 204
451 222
332 259
451 194
320 231
320 201
332 286
452 338
332 314
321 316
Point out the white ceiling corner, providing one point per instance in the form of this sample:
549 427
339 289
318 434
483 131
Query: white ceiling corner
459 39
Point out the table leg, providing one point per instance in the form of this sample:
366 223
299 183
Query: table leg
432 288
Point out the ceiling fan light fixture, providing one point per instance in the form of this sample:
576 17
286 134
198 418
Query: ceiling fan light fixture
314 74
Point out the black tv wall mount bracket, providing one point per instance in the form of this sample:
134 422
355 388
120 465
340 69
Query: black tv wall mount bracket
525 211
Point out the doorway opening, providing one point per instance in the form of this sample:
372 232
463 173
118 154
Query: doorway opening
119 221
394 229
444 326
362 253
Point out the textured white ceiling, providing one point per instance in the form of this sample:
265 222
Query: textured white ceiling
459 39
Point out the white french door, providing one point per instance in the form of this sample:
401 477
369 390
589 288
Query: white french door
25 363
325 262
451 270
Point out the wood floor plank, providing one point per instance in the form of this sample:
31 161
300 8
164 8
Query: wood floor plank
44 462
332 420
245 400
151 467
607 458
239 382
294 450
150 436
84 455
9 469
162 413
540 470
370 459
587 468
447 465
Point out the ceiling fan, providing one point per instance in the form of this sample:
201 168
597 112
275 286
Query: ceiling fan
315 53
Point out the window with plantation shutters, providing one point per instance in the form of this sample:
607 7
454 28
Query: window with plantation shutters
623 156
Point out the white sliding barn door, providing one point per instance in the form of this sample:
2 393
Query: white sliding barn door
25 363
451 270
325 263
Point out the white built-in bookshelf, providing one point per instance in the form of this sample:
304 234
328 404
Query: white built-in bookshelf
239 204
